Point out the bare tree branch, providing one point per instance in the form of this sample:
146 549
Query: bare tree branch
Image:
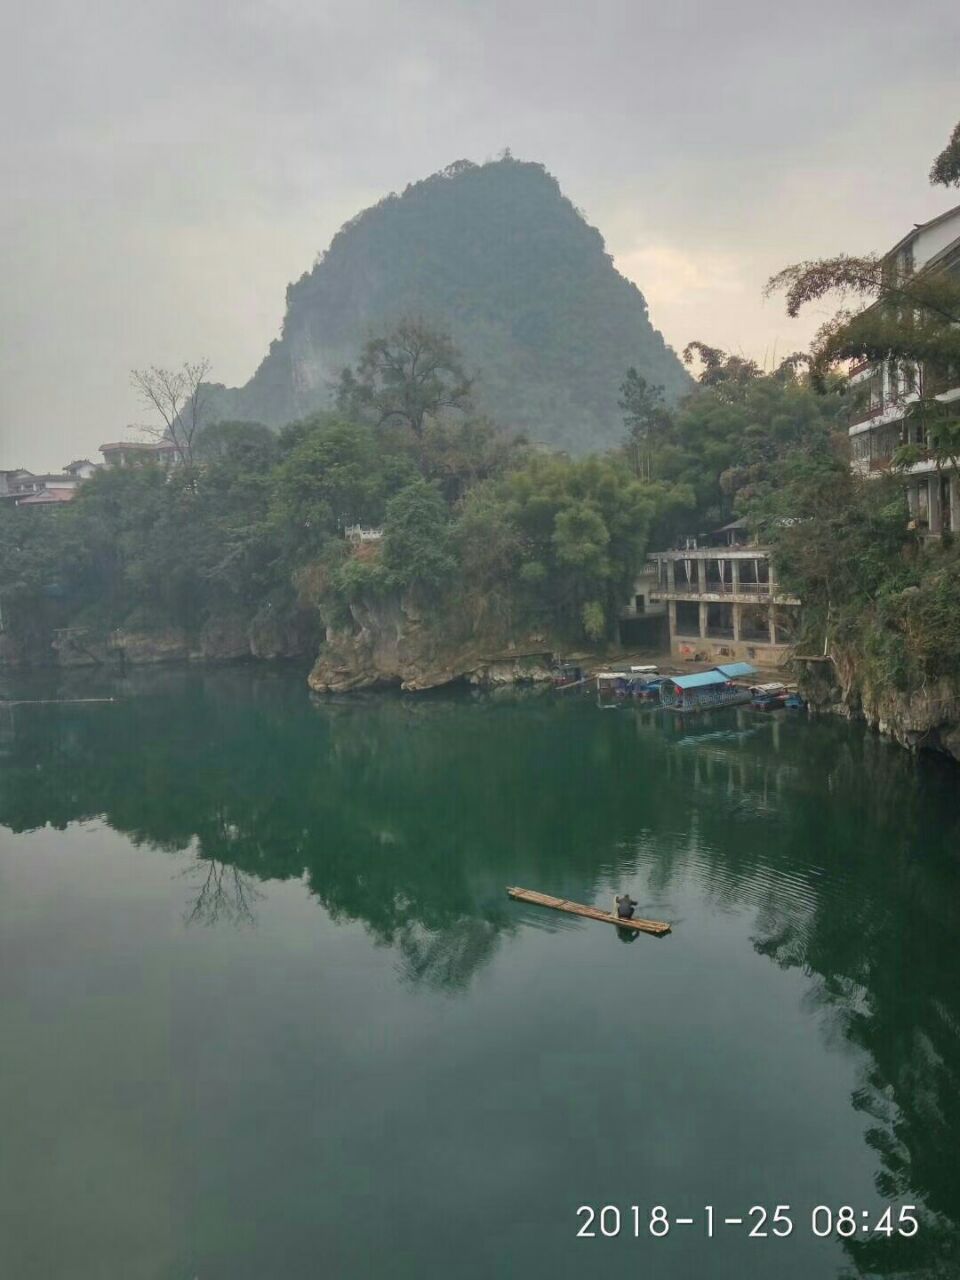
179 398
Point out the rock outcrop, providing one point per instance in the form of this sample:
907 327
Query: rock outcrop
392 643
497 257
271 635
926 719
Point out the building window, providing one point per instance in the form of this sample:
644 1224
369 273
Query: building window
720 621
860 447
688 618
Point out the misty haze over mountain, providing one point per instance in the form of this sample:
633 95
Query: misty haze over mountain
167 171
497 257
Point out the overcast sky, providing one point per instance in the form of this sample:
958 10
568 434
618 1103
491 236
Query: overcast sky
168 167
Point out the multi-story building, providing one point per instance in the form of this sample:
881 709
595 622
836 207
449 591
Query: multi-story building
643 620
723 601
882 421
132 453
18 482
82 468
23 488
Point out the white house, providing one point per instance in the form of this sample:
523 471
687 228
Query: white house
881 424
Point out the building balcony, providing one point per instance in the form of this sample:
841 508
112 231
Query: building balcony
867 413
713 593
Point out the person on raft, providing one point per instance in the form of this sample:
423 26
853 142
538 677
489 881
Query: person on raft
625 906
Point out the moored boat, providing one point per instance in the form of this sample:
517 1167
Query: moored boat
768 697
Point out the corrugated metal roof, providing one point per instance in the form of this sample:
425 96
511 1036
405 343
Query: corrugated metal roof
732 669
699 681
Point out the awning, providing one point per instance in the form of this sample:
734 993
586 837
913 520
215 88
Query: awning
702 680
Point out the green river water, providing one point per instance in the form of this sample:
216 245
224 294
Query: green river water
268 1013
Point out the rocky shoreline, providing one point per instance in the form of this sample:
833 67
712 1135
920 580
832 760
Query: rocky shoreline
919 720
402 652
225 638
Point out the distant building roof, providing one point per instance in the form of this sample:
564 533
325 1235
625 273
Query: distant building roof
47 496
924 226
733 669
79 462
130 444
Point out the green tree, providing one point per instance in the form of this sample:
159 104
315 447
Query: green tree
219 441
723 440
945 170
909 319
333 474
643 407
407 376
418 548
583 529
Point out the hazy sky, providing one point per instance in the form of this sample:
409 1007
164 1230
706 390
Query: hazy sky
168 167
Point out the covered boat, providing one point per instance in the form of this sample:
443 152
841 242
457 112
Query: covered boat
768 697
707 689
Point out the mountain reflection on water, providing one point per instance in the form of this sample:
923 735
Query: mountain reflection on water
411 815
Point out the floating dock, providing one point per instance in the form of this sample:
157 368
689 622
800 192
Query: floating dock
657 927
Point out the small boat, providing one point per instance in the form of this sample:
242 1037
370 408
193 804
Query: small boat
655 927
649 689
567 673
768 697
795 703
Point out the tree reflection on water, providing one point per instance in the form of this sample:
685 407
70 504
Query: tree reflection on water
412 815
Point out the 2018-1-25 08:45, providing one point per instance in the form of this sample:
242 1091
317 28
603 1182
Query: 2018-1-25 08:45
759 1221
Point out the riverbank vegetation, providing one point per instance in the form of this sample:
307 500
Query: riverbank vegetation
876 591
404 491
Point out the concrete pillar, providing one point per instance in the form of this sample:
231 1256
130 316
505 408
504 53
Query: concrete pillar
936 523
736 618
671 576
772 588
703 619
735 568
772 620
672 621
955 502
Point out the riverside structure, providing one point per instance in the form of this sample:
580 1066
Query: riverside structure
723 602
885 390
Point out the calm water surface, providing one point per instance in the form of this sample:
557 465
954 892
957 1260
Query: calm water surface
268 1013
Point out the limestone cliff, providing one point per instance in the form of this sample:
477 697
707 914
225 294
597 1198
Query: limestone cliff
496 256
391 642
926 719
267 636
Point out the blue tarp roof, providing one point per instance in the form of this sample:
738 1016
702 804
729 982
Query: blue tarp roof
719 675
700 680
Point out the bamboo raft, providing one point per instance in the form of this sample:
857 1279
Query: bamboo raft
657 927
52 702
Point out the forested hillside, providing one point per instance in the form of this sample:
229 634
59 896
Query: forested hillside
497 257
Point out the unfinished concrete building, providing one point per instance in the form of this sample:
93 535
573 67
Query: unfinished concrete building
723 602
